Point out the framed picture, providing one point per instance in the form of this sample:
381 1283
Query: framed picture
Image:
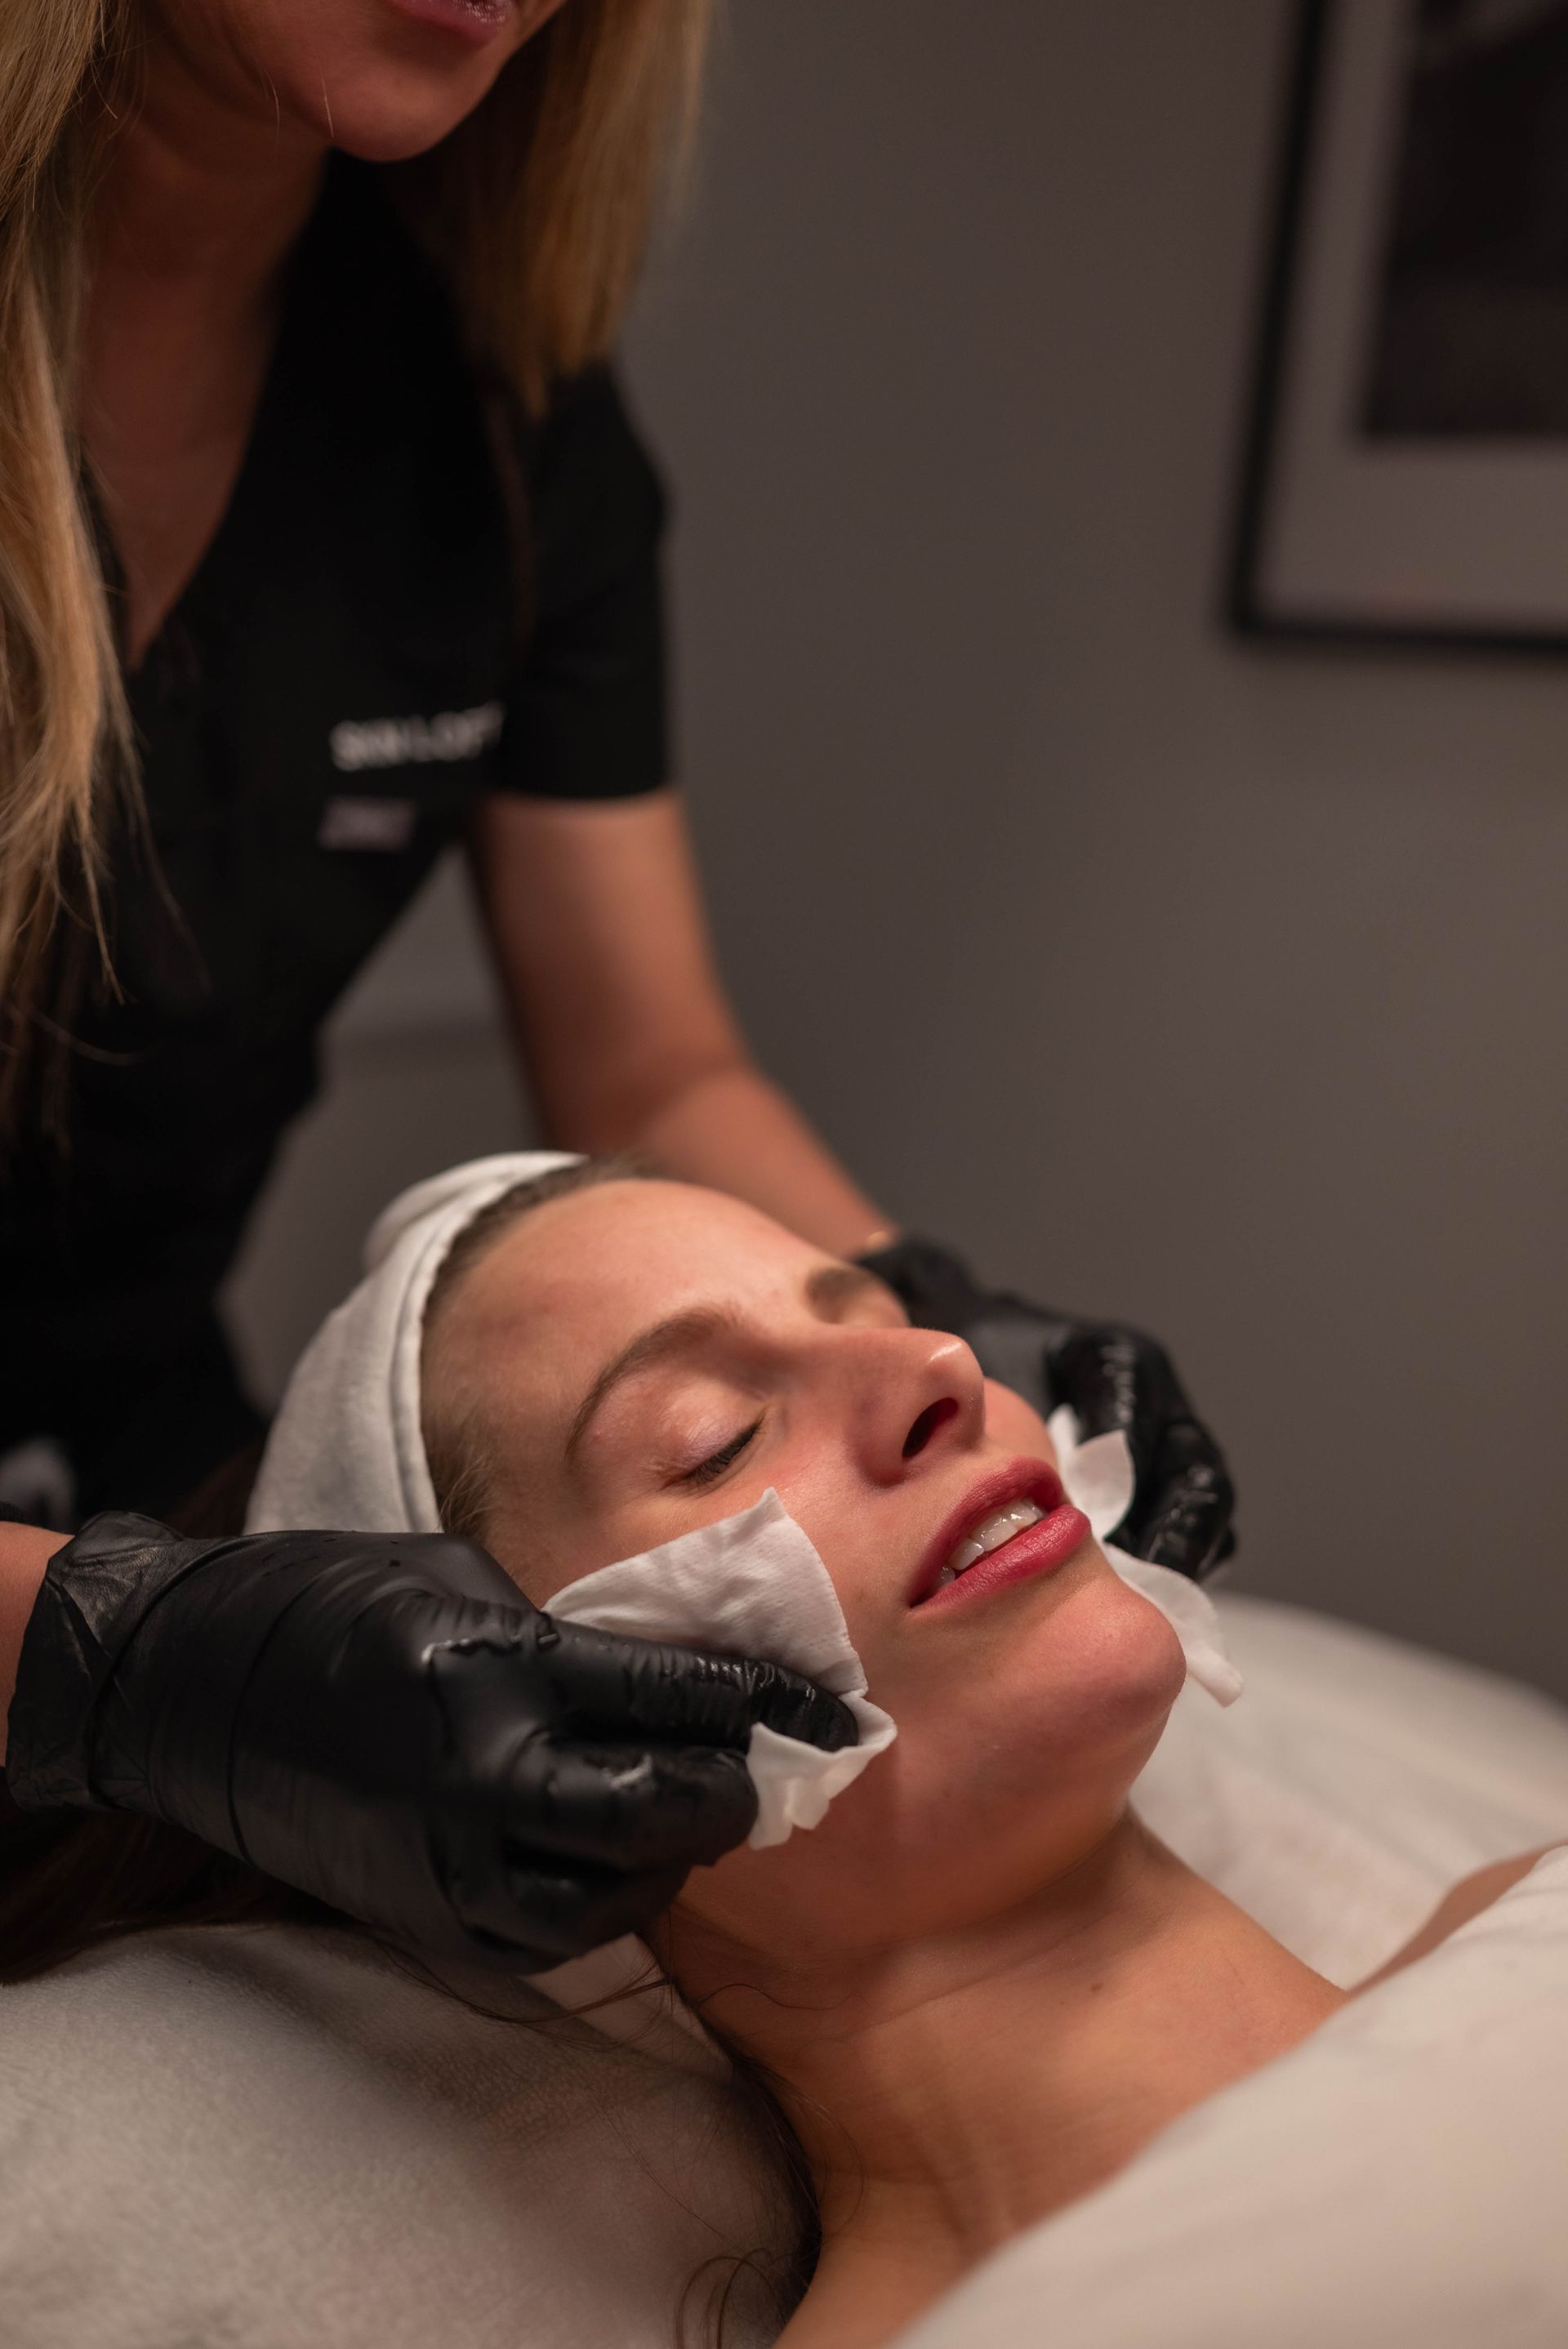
1406 473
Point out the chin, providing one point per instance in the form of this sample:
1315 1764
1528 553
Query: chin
1138 1667
382 93
389 117
1097 1681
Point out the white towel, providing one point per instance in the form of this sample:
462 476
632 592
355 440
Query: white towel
346 1449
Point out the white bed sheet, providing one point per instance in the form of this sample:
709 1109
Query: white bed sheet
1399 2182
1353 1783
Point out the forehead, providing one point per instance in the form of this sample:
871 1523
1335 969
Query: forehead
574 1281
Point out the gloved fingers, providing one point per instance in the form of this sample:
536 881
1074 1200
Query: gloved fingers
519 1911
1180 1514
1184 1498
935 1286
1190 1527
1103 1372
795 1707
1114 1379
628 1806
649 1687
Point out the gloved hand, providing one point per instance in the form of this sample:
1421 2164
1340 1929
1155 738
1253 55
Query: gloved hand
1112 1377
387 1722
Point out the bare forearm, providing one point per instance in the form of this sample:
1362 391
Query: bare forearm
735 1130
25 1552
596 920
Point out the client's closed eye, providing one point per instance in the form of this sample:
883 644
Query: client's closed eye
708 1471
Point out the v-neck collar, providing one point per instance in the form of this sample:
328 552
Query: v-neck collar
345 201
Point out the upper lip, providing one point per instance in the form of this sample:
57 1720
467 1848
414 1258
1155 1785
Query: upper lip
1019 1480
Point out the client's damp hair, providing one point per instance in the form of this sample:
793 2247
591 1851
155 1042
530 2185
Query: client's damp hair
71 1881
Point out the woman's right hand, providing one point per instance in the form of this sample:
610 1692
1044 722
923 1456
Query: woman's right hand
386 1722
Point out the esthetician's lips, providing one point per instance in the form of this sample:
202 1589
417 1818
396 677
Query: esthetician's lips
1039 1548
476 21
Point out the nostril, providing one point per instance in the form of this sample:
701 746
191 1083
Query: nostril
934 1415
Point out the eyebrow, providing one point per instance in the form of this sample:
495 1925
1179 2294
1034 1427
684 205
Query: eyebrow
826 1289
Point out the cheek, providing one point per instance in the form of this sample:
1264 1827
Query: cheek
1014 1760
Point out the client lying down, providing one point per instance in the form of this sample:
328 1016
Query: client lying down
980 1985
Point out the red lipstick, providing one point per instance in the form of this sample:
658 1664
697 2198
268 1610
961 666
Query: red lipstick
1016 1480
1039 1549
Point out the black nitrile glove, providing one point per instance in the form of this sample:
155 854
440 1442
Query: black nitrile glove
1112 1377
387 1723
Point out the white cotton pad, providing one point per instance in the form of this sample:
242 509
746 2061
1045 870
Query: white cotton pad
1097 1477
751 1586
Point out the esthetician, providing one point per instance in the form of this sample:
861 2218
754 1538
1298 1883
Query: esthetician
325 540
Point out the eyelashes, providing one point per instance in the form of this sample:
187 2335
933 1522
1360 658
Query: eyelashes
708 1471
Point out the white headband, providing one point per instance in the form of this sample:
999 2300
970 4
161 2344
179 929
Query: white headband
346 1449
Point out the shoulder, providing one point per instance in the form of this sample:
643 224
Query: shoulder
1466 1899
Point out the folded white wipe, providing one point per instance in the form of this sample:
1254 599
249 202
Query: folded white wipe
752 1586
346 1449
1098 1478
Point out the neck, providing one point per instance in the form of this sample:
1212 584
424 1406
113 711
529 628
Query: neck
205 187
949 2094
202 199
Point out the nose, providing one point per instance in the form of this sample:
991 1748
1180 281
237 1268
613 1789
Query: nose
913 1396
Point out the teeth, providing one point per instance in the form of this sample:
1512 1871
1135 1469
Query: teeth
989 1535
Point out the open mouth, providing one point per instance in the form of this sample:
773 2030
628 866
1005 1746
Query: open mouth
1006 1507
988 1534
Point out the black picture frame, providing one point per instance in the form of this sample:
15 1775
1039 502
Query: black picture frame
1475 601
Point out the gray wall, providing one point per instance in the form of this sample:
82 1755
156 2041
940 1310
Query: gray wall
1218 988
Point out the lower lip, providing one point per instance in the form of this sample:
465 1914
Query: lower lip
474 21
1039 1549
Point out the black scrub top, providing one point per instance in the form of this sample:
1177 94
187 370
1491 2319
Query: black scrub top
369 645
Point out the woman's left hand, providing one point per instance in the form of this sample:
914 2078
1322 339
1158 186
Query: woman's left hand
1112 1376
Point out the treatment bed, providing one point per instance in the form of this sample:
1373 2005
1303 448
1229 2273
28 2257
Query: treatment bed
270 2137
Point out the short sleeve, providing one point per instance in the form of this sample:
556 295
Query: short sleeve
586 704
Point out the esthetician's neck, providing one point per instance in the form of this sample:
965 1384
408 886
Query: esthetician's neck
950 2096
204 186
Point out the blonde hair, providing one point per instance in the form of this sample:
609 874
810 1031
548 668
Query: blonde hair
537 207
